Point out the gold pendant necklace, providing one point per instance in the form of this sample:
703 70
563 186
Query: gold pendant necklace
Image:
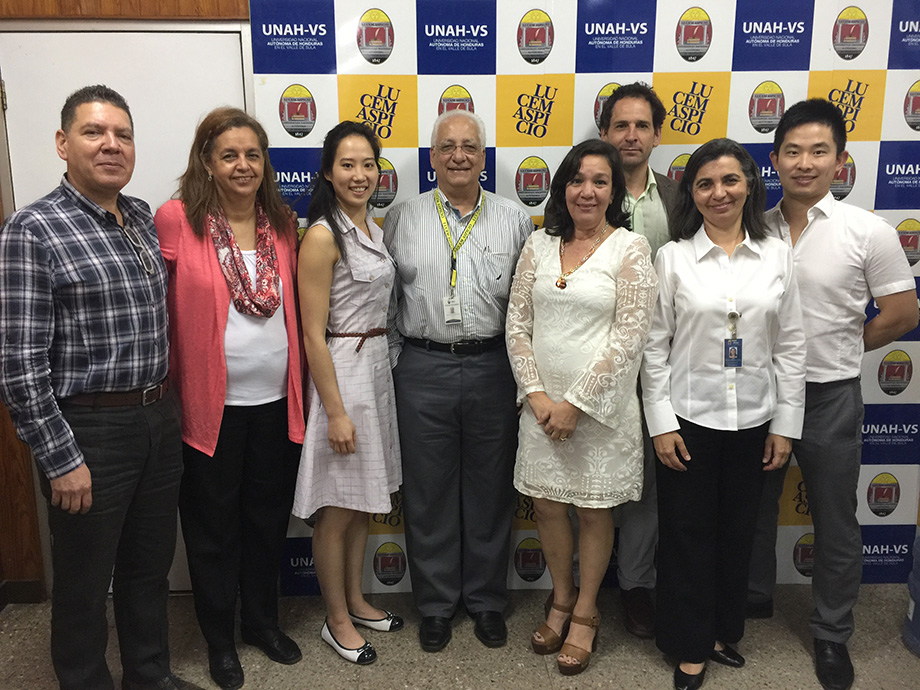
560 281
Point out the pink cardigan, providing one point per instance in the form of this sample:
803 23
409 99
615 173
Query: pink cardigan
198 302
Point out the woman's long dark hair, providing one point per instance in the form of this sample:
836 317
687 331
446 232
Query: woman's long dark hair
557 220
199 195
686 219
323 203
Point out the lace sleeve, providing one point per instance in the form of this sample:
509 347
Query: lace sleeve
610 379
519 324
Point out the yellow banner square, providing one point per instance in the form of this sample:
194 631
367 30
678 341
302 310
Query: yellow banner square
696 103
388 523
793 505
534 109
524 518
858 94
389 104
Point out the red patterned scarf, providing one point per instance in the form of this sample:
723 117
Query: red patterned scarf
265 297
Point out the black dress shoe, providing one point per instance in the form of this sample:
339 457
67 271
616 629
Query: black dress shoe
276 645
685 681
434 633
490 628
727 657
225 669
832 665
640 611
759 609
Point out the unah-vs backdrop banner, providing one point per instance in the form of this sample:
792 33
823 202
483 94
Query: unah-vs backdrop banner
538 72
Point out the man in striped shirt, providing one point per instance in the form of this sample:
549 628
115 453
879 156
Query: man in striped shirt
83 363
456 248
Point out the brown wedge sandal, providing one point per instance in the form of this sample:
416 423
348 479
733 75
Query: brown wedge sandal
552 641
582 656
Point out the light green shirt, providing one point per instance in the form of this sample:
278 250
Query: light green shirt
648 215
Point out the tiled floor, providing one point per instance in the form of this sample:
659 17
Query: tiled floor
777 651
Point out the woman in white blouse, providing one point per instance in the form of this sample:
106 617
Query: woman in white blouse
578 317
723 380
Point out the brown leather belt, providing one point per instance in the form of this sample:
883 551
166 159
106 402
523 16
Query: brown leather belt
373 333
140 397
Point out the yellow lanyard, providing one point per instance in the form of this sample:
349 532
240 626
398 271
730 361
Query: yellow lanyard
454 248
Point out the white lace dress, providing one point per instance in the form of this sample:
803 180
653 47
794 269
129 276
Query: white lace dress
583 344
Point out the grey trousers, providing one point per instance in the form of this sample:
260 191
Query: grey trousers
829 455
458 431
638 523
762 571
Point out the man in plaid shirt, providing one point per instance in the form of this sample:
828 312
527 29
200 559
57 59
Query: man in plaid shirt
83 364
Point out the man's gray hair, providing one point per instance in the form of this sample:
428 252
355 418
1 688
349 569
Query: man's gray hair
459 112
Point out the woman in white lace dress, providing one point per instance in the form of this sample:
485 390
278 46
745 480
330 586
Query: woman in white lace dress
578 319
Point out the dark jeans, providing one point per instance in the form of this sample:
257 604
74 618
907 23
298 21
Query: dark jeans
235 508
127 538
706 519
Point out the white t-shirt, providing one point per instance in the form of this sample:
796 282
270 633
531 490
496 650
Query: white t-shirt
843 258
256 351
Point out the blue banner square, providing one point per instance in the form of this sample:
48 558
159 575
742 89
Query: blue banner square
295 171
891 435
887 552
904 48
898 183
615 36
761 155
427 180
773 35
448 42
293 36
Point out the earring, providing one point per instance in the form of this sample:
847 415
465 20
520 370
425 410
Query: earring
210 176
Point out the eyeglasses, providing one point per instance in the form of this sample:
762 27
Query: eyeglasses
143 253
447 148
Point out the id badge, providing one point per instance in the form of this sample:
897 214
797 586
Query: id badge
451 309
732 353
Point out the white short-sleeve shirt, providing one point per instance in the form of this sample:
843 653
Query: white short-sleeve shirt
843 258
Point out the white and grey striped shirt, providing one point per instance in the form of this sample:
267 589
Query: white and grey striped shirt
415 239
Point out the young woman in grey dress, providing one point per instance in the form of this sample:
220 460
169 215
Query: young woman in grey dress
350 462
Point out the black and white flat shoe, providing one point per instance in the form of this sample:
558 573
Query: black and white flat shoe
365 654
389 623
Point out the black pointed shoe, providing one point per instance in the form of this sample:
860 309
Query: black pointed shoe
727 657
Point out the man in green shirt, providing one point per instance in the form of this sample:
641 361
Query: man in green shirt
631 120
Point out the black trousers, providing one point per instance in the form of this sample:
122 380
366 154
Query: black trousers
706 519
235 508
127 538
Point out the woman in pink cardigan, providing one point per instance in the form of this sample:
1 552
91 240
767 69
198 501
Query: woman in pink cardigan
236 360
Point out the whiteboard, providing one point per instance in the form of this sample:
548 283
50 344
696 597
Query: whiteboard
170 80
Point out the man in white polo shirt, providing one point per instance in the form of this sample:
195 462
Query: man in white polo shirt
844 256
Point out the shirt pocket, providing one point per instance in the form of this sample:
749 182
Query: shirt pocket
499 270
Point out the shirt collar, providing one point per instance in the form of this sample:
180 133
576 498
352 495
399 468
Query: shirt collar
824 206
650 183
451 207
91 206
702 245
